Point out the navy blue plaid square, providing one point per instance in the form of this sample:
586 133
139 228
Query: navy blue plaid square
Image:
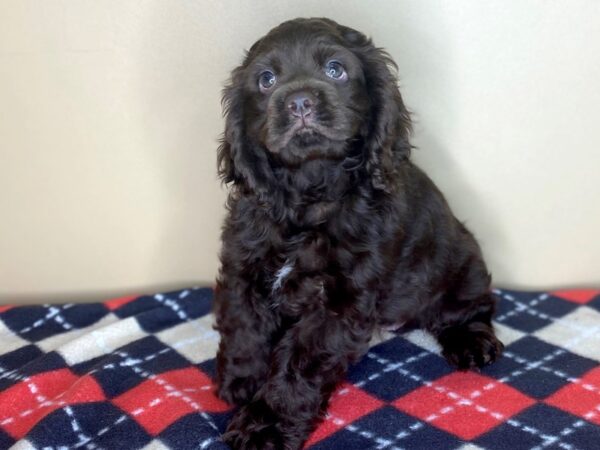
161 311
395 367
194 432
97 425
540 427
134 363
5 439
388 428
34 323
595 303
530 311
529 360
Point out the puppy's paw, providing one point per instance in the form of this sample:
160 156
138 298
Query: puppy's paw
264 439
237 390
253 428
471 346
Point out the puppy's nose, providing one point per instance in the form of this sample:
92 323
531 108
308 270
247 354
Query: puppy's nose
300 104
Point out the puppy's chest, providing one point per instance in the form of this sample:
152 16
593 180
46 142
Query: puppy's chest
311 258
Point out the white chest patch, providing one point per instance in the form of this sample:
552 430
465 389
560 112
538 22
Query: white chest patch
281 275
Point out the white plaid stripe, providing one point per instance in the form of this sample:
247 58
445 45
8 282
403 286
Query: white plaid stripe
83 438
529 309
205 443
53 314
390 367
11 375
175 306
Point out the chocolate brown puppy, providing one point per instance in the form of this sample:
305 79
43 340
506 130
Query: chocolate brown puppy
331 232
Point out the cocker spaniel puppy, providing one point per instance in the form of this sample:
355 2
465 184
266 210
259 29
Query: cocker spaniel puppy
331 233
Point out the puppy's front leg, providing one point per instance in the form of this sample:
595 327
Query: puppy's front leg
308 362
246 325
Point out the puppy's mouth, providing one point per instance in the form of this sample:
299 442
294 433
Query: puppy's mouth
304 132
305 126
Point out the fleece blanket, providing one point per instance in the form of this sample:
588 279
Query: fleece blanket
135 372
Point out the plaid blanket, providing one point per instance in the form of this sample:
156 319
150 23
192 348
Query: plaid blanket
136 372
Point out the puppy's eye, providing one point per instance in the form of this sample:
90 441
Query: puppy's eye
266 80
335 70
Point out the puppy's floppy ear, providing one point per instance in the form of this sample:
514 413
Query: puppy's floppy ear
239 159
389 127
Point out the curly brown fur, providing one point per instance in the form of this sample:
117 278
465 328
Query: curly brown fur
331 233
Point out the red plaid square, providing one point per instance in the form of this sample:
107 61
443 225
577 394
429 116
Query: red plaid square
580 296
581 398
27 402
465 404
347 404
118 302
162 399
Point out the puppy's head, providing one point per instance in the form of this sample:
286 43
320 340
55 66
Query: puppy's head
312 89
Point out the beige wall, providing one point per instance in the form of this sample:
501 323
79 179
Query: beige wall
109 114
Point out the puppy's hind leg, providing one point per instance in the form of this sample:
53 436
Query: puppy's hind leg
461 320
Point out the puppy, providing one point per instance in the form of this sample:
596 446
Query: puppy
331 232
